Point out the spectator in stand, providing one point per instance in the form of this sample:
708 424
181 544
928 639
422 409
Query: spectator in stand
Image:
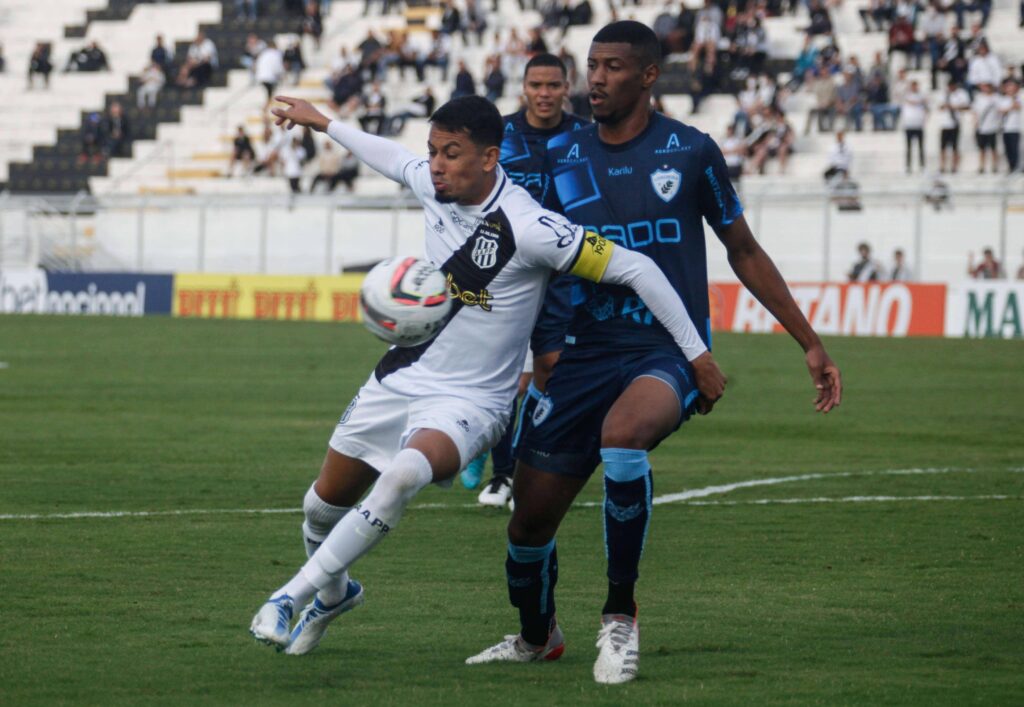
883 112
241 151
3 61
254 46
751 45
734 149
346 91
821 22
437 54
901 39
707 32
864 269
312 24
953 59
92 139
983 67
513 52
824 90
374 110
494 81
247 10
849 99
475 23
773 138
451 19
900 272
465 85
293 62
1009 105
200 63
269 69
955 103
987 122
349 170
535 44
162 57
397 52
840 159
328 167
292 155
370 52
88 58
39 63
805 61
749 103
960 7
934 27
421 107
117 132
880 12
988 269
150 84
913 114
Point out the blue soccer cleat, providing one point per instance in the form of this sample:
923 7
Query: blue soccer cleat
474 472
315 617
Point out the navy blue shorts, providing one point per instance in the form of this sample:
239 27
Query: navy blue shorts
555 314
564 435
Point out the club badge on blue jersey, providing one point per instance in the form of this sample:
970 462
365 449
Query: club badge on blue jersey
666 183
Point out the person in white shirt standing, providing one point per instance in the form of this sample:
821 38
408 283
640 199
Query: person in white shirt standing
269 68
984 67
901 272
1009 106
954 103
987 122
913 113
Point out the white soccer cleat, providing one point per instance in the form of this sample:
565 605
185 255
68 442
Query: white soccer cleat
515 650
272 623
497 493
618 642
315 617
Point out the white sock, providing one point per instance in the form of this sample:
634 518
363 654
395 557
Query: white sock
358 532
321 517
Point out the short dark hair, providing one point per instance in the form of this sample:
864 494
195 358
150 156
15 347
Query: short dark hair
637 35
474 115
546 59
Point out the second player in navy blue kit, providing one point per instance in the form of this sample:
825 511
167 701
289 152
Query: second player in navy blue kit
646 182
523 153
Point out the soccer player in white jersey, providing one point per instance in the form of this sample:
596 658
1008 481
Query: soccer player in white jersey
427 410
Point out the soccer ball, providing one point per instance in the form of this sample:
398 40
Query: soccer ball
404 301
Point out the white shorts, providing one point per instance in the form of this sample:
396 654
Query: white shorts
378 422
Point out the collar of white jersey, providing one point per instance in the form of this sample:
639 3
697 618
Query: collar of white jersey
487 204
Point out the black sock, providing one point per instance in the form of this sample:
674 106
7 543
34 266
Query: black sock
620 599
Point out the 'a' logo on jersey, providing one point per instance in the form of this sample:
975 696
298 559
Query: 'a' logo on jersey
574 152
673 141
485 252
666 183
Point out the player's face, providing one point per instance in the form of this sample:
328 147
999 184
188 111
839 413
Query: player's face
544 88
459 168
617 81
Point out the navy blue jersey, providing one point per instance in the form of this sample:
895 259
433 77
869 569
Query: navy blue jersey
650 195
523 149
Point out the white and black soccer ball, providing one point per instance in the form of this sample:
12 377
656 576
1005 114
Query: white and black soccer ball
404 301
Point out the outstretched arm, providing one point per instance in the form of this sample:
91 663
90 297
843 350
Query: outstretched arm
758 274
386 156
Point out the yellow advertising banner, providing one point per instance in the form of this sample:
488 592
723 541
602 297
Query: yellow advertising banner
324 298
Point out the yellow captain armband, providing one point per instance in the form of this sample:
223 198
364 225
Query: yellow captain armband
592 259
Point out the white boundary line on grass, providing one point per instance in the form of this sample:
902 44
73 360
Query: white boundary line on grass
685 497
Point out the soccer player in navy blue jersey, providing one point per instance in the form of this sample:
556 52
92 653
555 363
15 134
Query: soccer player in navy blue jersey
647 183
523 152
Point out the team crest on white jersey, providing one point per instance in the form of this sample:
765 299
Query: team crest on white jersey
485 252
666 183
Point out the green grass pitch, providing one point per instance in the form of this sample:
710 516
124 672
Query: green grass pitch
743 599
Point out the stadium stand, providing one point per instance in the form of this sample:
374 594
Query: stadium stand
184 143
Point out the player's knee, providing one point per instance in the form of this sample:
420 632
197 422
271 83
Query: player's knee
529 530
624 437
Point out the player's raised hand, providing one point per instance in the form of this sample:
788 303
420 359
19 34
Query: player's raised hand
710 382
826 377
299 112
